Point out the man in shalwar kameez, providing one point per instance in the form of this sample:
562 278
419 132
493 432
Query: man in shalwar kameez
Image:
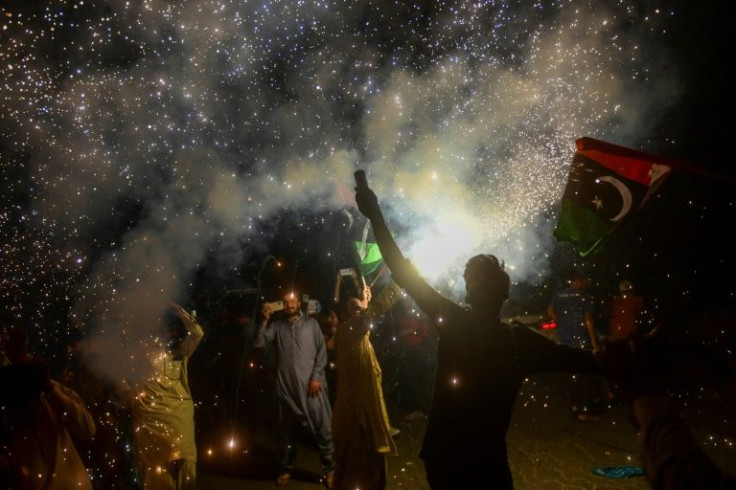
163 414
301 386
360 424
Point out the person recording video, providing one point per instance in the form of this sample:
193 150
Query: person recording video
301 385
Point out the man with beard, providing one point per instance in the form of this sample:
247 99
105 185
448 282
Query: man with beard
301 386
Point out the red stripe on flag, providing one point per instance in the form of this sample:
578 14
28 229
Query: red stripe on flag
618 158
632 164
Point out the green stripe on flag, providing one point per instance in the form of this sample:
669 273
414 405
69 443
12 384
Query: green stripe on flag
581 227
370 257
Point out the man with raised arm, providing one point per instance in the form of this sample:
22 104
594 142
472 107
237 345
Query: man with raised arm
301 386
360 423
480 367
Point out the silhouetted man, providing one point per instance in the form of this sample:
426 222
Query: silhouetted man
480 367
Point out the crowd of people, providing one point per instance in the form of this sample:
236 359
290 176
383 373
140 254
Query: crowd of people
328 385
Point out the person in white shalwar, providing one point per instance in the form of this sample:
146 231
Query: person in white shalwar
163 411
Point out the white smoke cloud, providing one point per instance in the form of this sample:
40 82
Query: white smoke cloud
232 113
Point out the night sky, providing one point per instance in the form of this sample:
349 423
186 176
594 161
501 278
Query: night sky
154 150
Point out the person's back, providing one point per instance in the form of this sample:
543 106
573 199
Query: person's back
624 311
361 428
477 379
481 366
572 309
162 408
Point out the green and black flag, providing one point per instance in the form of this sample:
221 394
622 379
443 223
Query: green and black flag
357 249
606 184
367 249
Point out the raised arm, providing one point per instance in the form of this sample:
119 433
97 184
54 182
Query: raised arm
368 308
403 272
263 334
367 203
670 455
195 332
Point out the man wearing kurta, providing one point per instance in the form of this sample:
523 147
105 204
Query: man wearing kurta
360 424
301 386
163 414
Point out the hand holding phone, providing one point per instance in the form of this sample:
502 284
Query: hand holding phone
276 306
361 182
268 308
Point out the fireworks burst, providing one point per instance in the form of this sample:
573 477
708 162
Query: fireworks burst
141 137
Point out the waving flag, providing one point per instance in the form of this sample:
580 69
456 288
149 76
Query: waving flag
357 248
606 184
368 252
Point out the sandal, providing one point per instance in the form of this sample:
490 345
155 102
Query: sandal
283 479
328 480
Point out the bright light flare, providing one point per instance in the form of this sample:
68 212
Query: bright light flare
453 236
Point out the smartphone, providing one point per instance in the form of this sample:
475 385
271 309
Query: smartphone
361 182
347 272
313 307
276 306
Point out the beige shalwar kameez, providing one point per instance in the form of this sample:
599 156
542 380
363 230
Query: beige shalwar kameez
163 420
360 423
